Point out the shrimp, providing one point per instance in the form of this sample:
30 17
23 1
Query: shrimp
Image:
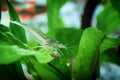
42 39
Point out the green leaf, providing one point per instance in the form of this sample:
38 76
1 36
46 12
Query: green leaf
30 67
109 43
43 56
55 70
54 19
9 54
66 36
5 38
110 55
3 28
18 31
116 4
63 75
10 39
108 22
87 59
70 37
16 41
11 72
44 73
4 74
18 70
58 4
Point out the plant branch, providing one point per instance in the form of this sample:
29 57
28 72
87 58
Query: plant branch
88 13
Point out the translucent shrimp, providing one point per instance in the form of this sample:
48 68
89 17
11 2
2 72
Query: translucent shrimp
46 43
